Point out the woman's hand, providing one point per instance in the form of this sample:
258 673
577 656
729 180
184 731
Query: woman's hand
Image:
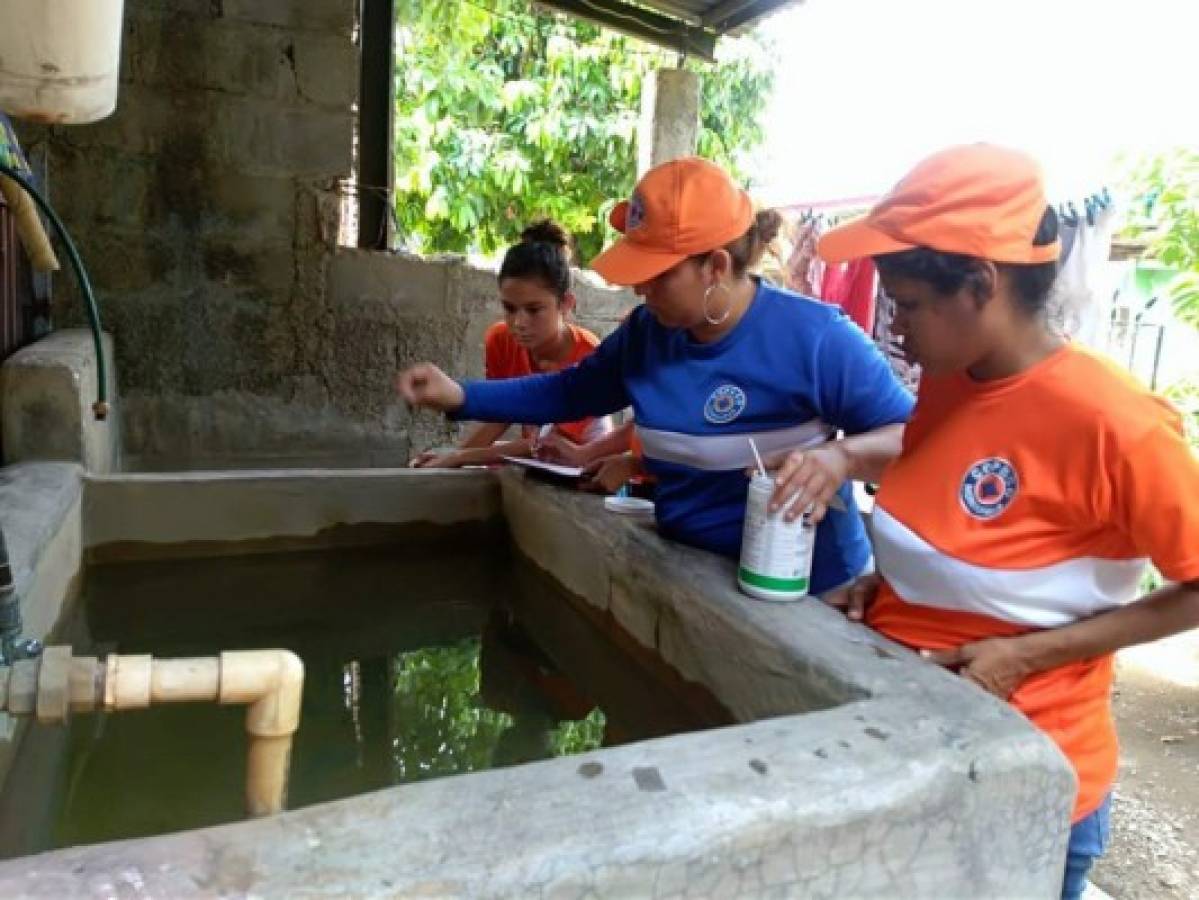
997 665
809 477
854 598
558 448
433 460
422 460
426 386
609 474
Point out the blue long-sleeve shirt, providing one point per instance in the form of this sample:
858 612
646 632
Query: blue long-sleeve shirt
790 374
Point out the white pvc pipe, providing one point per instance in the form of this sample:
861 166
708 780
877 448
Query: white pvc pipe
270 683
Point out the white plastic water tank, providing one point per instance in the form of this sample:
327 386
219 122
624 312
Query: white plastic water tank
59 59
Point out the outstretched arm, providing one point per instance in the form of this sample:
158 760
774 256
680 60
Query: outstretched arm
593 387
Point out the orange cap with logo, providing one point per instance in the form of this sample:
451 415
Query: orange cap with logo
678 209
977 200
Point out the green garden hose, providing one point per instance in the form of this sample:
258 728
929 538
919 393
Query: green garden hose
100 407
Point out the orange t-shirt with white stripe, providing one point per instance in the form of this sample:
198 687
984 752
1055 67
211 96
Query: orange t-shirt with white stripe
1029 503
503 357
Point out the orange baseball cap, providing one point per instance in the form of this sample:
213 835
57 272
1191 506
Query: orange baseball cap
678 209
977 200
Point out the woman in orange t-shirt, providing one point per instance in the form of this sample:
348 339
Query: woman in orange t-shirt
534 337
1036 478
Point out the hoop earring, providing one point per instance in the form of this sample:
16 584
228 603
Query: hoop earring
728 309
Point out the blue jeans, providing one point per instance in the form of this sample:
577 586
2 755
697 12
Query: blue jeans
1088 840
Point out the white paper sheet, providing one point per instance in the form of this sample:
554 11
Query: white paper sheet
530 463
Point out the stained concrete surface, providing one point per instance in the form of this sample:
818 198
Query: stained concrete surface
750 811
248 506
903 781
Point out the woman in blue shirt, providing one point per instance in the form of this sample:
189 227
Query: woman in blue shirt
712 358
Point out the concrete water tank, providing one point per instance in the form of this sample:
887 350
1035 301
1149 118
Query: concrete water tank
59 59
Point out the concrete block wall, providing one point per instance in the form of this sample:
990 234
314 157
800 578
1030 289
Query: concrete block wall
390 310
201 208
207 210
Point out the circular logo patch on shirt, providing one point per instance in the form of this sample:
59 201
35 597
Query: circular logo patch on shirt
989 487
725 404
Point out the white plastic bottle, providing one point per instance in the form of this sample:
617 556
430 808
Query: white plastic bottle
776 555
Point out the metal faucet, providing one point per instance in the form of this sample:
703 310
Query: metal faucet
12 647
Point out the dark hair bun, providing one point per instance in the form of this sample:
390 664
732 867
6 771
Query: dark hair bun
767 223
544 252
546 231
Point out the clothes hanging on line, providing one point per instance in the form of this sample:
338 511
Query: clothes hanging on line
804 267
1080 305
890 344
851 286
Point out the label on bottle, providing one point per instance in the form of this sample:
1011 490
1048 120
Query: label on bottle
776 555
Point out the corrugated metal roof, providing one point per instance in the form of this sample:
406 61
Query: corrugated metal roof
690 26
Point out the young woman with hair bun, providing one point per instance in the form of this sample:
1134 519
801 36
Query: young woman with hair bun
535 336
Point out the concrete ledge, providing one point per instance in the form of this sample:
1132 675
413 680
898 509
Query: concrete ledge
233 506
805 806
46 396
759 659
40 513
774 660
40 507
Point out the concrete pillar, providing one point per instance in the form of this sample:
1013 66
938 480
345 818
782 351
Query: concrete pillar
669 126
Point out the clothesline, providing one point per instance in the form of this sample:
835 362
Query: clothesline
855 288
1092 204
824 205
1100 199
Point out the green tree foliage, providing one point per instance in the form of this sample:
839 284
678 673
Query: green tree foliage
1165 210
505 114
586 734
444 727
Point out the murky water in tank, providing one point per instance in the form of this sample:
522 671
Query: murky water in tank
418 664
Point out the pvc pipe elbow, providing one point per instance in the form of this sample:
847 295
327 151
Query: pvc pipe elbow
271 682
